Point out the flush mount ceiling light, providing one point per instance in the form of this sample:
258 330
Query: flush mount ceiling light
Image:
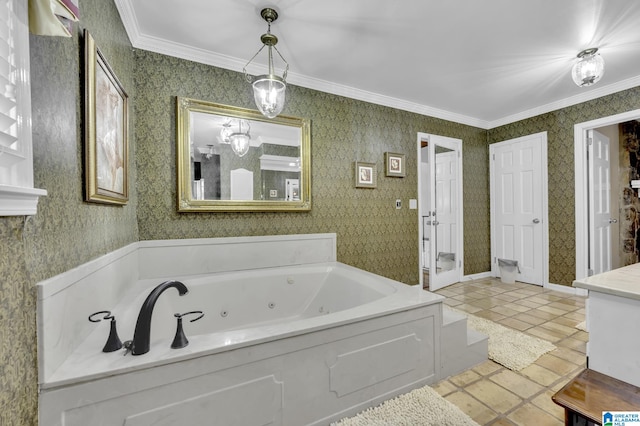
589 68
268 89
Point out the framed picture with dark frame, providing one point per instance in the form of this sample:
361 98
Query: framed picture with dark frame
365 175
106 145
394 164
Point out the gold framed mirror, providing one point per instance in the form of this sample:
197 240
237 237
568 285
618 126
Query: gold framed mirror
235 159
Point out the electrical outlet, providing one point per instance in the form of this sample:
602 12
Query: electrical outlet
398 204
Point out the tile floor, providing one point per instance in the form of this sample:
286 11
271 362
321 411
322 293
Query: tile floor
494 395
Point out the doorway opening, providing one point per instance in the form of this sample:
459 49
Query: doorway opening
440 211
598 233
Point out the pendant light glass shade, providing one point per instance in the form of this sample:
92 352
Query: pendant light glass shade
269 94
240 140
588 69
240 143
269 89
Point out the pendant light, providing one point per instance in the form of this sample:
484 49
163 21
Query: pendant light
268 89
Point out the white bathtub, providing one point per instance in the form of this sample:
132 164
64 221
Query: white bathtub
304 344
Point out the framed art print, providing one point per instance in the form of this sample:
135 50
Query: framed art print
365 175
394 164
106 133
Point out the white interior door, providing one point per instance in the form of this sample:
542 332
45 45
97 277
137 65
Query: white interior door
519 206
600 219
441 211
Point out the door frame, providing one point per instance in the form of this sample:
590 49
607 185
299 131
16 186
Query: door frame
581 178
459 214
545 204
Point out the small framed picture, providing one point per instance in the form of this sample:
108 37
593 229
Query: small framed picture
365 175
394 164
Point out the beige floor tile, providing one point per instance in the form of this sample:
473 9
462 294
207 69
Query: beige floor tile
529 415
472 407
546 334
469 308
566 321
494 396
516 307
487 368
490 315
555 364
502 422
545 403
540 375
506 297
444 387
576 315
528 303
533 320
452 302
581 335
570 355
486 303
562 329
554 311
515 323
564 306
504 311
517 384
540 314
464 378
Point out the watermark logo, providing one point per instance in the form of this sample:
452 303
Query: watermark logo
621 418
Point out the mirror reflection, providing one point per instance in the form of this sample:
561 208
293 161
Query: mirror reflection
236 159
445 196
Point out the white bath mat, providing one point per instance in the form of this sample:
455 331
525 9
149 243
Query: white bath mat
424 407
510 348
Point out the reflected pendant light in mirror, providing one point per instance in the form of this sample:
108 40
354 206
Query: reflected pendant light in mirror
240 139
269 89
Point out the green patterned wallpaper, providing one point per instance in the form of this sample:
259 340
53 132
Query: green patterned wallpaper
559 127
371 233
66 232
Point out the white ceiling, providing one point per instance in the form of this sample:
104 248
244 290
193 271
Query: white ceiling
482 63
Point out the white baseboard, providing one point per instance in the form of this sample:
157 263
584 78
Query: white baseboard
479 276
566 289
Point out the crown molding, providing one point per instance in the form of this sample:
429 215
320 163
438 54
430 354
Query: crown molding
165 47
566 102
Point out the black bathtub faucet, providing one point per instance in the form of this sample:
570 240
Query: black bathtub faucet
142 334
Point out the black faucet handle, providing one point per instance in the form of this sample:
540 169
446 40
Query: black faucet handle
180 340
107 315
190 313
113 342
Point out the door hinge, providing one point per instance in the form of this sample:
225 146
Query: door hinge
590 140
494 157
590 272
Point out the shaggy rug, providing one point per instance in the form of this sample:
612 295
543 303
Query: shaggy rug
422 406
510 348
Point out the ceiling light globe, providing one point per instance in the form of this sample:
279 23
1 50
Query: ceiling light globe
588 69
269 94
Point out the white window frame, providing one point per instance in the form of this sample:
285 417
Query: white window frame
18 197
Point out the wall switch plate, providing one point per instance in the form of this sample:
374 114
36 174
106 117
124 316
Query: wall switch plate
413 204
398 204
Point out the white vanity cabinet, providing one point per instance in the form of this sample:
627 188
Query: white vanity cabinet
613 321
